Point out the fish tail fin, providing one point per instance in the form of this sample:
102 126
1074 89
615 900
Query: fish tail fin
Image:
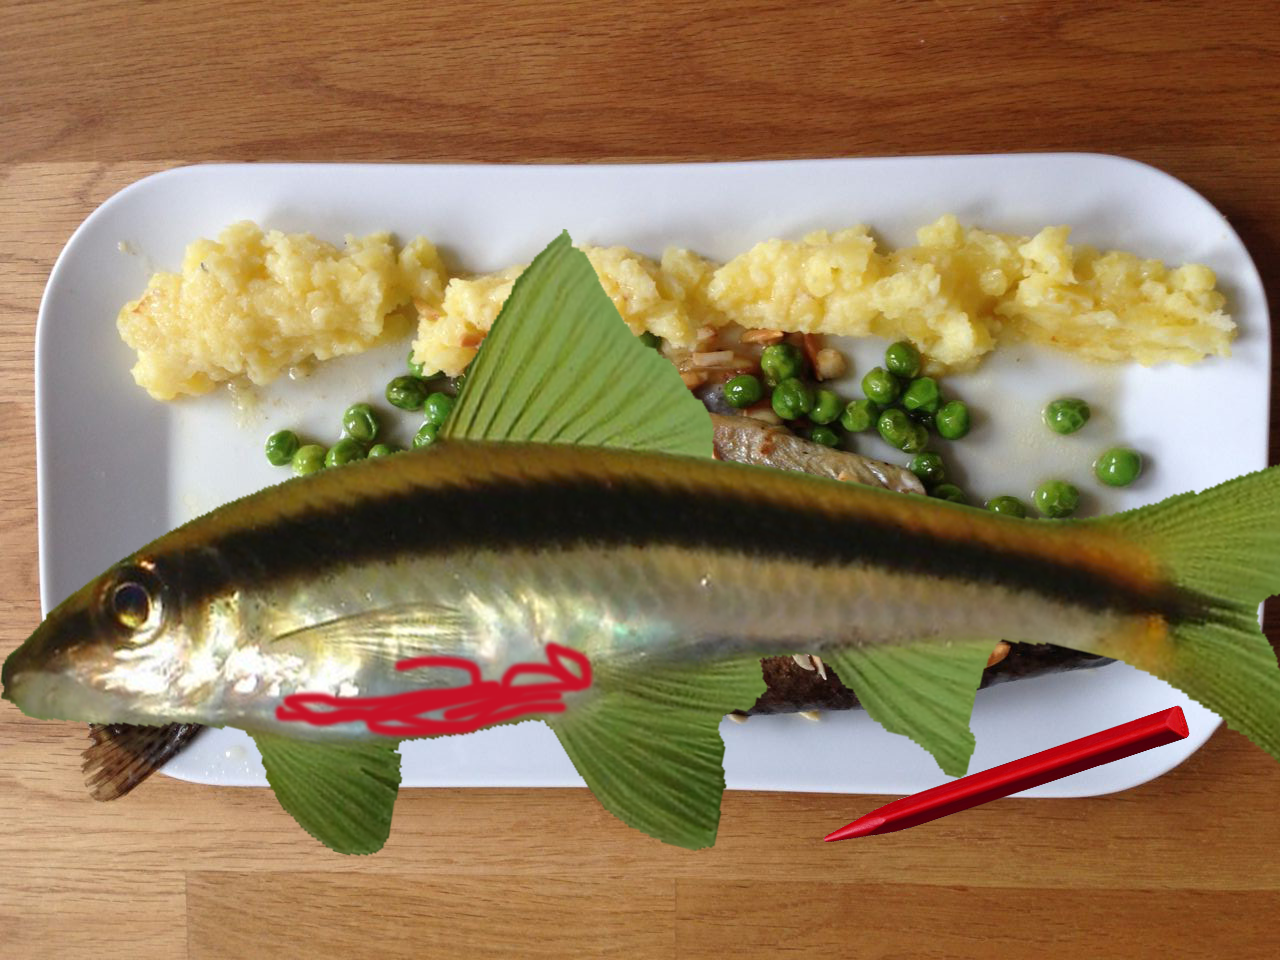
1221 548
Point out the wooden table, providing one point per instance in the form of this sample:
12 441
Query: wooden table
94 95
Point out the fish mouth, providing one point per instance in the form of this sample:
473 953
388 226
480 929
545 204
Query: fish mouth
8 676
52 694
16 668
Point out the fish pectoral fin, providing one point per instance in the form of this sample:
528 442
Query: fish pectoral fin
342 794
647 742
386 634
923 691
122 755
560 366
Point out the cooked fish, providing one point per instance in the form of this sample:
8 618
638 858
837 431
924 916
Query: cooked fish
746 440
580 558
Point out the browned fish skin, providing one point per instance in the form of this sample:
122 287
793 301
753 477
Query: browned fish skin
794 689
746 440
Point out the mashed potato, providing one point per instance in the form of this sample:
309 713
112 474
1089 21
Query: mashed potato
667 299
253 304
955 294
960 290
1115 306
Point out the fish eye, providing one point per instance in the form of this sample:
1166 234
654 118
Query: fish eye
131 605
130 601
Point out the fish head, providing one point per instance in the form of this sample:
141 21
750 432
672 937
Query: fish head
116 651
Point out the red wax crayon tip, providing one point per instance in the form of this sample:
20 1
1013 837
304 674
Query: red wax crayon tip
859 828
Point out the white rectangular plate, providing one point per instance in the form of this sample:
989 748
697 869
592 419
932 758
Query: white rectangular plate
117 469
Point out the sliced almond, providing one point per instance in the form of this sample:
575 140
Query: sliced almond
761 336
713 358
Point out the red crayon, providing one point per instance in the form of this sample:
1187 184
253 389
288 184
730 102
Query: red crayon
1167 726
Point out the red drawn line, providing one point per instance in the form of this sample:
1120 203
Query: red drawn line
464 709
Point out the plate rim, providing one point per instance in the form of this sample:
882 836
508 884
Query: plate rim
122 196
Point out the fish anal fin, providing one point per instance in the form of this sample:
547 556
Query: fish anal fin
343 794
921 691
647 742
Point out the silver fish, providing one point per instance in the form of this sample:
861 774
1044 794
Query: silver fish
571 551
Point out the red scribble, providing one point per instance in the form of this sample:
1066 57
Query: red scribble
461 709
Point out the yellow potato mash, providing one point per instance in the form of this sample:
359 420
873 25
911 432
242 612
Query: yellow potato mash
955 294
253 304
667 299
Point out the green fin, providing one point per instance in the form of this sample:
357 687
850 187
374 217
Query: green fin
649 747
387 634
922 691
1222 545
561 366
340 793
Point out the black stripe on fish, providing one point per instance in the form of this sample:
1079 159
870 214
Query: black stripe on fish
522 513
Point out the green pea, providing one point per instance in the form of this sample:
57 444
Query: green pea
281 446
928 467
344 451
1066 415
826 407
308 459
426 435
407 393
792 399
859 415
1056 498
437 407
1118 467
917 438
651 340
743 391
952 420
1008 506
881 386
781 361
903 359
384 449
949 492
415 368
922 395
825 436
360 423
894 427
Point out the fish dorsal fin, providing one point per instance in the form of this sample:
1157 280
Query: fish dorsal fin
561 366
646 739
342 794
923 691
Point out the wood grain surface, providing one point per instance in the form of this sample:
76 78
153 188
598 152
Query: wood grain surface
95 95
